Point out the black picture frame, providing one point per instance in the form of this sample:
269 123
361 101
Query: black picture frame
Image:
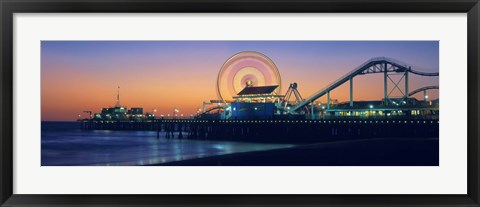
9 7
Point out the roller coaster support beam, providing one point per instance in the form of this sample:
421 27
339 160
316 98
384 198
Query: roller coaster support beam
311 110
406 83
425 96
328 100
385 86
351 91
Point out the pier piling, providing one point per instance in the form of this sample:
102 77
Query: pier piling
279 130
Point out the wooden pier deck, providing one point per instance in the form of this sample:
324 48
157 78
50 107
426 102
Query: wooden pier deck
286 131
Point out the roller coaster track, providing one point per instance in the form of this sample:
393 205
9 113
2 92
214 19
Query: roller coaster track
374 65
209 110
422 73
422 89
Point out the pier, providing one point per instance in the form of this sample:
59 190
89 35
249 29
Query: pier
276 131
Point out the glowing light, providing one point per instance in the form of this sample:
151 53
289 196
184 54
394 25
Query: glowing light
370 106
233 77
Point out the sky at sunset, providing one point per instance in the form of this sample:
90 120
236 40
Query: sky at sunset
84 75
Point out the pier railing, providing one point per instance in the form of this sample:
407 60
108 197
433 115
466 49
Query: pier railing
274 131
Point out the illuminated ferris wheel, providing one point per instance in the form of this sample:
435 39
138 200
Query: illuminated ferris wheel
246 69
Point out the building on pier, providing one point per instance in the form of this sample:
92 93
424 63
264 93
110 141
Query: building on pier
406 108
112 113
137 112
122 113
254 102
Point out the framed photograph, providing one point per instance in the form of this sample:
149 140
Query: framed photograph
201 103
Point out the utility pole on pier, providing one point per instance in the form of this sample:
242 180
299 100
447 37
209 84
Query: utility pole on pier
118 97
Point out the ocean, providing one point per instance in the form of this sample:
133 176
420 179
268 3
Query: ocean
65 144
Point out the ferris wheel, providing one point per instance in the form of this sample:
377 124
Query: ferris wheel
246 69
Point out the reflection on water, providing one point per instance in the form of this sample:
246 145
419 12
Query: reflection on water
63 143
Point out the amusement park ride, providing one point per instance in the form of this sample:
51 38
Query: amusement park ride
253 81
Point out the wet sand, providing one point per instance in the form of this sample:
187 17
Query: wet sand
365 152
